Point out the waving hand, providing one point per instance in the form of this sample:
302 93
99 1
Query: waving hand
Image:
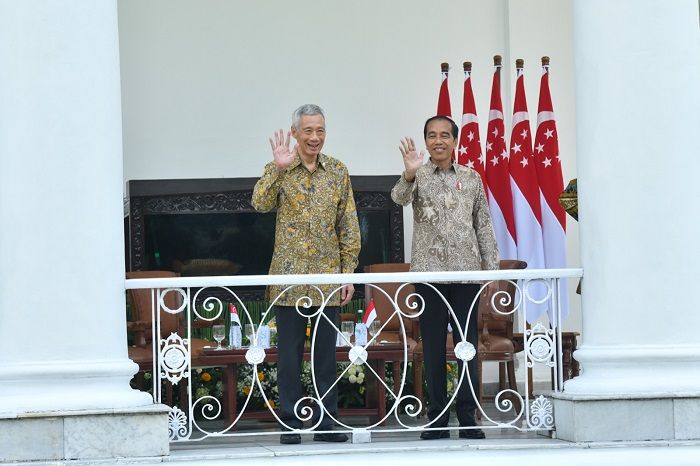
280 149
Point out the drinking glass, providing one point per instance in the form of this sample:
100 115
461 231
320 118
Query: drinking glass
219 333
250 332
374 329
347 328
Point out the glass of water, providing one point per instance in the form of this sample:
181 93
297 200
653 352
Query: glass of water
250 333
219 333
374 329
347 328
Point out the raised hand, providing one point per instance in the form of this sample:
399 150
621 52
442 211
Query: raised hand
412 160
280 149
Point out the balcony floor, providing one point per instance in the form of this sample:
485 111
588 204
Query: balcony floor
495 450
501 447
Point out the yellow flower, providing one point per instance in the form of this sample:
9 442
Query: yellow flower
261 376
449 367
206 376
271 404
308 331
246 390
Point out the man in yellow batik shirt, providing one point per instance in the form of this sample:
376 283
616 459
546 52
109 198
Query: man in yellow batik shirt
316 232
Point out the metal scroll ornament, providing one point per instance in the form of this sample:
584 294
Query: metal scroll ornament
174 357
541 414
465 351
177 424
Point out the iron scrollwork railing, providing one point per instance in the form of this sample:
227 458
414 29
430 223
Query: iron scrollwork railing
190 418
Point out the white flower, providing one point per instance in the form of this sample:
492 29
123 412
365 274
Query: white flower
201 392
352 378
360 377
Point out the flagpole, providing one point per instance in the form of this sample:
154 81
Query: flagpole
444 107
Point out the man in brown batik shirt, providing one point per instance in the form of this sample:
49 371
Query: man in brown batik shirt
452 231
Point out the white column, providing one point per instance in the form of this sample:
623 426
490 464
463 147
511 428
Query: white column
62 315
637 97
638 101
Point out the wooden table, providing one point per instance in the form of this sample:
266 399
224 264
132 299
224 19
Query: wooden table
375 392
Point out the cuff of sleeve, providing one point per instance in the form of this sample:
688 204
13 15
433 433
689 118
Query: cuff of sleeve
405 181
278 175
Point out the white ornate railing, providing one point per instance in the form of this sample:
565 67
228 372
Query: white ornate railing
172 355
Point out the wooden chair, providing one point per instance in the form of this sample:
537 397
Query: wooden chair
386 314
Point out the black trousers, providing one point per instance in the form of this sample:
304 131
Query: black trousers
291 334
433 329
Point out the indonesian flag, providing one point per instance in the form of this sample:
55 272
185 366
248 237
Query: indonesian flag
526 195
443 106
370 313
469 150
548 165
498 173
234 314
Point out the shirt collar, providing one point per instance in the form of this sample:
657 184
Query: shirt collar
434 168
322 161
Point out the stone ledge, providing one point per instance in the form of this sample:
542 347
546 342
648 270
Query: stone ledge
148 409
627 418
618 396
90 434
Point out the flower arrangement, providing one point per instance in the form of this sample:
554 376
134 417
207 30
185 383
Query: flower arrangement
351 387
267 376
207 382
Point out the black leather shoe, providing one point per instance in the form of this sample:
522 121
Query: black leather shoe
331 437
434 434
290 439
474 434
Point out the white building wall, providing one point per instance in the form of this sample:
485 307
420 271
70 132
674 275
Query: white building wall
205 83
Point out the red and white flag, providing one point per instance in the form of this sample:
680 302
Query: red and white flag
498 173
234 314
551 183
443 106
469 149
526 195
370 313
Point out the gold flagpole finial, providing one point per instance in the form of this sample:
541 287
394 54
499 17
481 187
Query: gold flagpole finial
519 63
497 60
445 67
467 66
545 61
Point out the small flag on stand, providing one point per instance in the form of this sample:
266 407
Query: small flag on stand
370 314
469 149
526 193
498 173
551 182
234 314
